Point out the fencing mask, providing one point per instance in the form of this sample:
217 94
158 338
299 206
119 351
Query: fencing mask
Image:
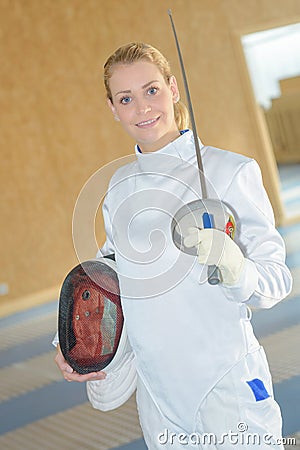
91 329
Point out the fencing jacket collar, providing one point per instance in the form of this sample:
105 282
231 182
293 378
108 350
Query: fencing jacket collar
170 156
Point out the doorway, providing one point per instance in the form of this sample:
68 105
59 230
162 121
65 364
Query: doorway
273 63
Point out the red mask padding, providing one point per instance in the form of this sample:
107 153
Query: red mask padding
90 319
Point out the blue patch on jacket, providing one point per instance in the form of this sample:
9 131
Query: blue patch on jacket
258 389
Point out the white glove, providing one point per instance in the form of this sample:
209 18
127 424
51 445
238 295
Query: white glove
216 248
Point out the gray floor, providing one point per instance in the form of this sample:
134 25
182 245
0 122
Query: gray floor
40 410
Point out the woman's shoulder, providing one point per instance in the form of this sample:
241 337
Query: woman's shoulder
226 168
126 169
228 161
226 156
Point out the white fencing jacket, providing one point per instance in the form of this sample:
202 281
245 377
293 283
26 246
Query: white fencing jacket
186 334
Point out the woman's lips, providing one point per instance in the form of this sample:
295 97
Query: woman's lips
147 123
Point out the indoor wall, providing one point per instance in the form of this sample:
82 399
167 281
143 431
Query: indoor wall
56 129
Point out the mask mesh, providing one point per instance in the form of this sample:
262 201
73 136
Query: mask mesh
90 319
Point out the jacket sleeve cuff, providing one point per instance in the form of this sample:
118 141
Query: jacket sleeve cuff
55 341
246 285
116 388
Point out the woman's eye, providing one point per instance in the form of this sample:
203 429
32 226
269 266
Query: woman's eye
125 100
152 91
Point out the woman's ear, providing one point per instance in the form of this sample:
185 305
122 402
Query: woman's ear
174 89
113 109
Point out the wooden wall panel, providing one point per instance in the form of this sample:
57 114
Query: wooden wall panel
56 130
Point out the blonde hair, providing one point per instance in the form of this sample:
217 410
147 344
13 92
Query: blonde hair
137 51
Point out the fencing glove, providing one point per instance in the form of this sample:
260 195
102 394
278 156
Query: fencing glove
214 247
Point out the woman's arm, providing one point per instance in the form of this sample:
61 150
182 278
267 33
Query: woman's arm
265 279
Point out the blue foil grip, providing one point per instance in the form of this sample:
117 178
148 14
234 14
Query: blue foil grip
208 220
213 272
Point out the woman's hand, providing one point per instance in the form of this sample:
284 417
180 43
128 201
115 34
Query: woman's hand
70 375
216 248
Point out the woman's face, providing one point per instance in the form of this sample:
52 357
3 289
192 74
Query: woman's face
144 103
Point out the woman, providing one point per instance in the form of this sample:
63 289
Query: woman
199 367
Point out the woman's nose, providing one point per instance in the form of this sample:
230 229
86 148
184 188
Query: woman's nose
143 108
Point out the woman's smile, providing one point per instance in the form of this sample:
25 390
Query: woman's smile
148 123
